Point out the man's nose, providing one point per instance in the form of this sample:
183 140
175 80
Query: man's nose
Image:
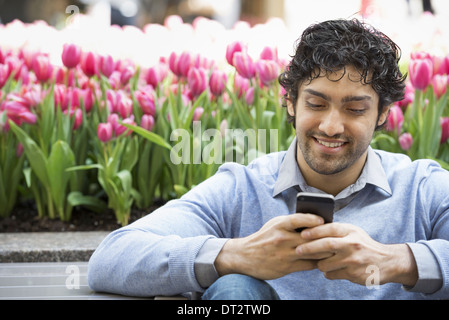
332 123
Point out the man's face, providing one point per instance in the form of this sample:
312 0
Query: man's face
335 122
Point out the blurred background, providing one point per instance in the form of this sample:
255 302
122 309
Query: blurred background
413 24
294 12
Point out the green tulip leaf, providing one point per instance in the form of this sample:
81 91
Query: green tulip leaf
38 161
151 136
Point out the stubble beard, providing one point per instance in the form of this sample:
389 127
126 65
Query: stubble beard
327 164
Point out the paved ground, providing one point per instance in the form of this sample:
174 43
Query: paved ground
49 246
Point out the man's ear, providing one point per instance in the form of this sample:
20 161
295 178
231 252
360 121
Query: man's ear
290 107
383 116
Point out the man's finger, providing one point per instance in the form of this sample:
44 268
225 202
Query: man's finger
302 220
320 246
327 230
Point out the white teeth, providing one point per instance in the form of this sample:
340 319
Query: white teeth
330 144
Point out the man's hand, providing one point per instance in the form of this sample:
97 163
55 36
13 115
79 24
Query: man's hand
351 251
269 253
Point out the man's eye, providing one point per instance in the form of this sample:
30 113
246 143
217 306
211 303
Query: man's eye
314 106
357 111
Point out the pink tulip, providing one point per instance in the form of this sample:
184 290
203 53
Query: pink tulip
27 55
71 55
156 74
61 96
444 130
173 62
82 95
445 68
440 65
17 110
269 53
4 74
439 84
88 99
27 117
244 65
114 80
77 114
111 100
198 113
180 65
146 101
75 97
421 71
42 68
241 85
15 64
249 96
104 132
231 49
147 122
119 129
89 64
113 119
200 61
59 75
420 55
268 71
395 119
2 56
23 74
223 127
185 63
106 65
409 96
197 80
124 104
406 141
127 73
33 95
217 82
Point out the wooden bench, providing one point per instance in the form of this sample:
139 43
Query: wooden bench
52 281
47 280
50 266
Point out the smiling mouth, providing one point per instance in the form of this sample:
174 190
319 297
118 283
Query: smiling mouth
330 144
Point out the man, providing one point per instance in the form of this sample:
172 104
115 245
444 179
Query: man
234 236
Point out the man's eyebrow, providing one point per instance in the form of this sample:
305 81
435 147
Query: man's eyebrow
318 94
356 98
344 100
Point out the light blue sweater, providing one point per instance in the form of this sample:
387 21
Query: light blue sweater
394 201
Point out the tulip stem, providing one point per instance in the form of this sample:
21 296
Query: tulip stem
51 211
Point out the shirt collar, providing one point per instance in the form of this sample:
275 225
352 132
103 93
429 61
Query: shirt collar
290 176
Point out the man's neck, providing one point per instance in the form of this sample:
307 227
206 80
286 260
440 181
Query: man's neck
334 183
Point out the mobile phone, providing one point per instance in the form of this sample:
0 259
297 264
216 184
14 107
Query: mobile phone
316 203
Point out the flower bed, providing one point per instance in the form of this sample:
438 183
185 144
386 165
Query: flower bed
95 131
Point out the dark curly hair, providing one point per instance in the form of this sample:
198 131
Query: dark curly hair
330 46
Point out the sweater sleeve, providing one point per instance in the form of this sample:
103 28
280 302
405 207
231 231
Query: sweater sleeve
435 201
156 254
430 278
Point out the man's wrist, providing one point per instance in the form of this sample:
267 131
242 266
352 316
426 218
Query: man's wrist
402 266
225 261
